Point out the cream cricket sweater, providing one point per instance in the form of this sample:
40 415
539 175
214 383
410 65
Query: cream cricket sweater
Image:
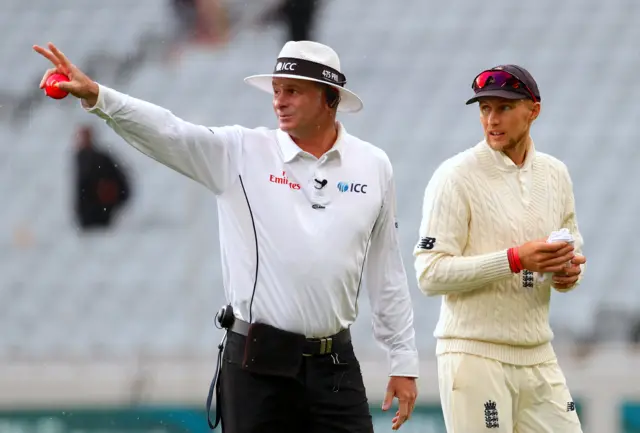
476 206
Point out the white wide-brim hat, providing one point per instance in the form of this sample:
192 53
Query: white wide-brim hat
312 61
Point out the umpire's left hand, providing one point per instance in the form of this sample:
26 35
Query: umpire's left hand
405 389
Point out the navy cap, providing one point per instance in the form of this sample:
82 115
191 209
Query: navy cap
510 92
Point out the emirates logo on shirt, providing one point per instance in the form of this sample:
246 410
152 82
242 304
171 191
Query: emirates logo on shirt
283 181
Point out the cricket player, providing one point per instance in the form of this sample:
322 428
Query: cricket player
307 220
487 214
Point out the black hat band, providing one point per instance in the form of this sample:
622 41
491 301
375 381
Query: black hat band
309 69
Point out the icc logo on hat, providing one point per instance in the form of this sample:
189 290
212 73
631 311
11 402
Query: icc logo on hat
312 61
286 66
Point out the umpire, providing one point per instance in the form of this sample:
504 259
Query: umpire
307 218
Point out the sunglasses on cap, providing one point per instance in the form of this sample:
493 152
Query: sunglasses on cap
500 79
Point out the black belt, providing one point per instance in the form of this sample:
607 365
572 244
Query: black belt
312 347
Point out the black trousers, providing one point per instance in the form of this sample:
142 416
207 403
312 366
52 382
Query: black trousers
325 397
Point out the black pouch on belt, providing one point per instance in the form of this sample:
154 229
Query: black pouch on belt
272 351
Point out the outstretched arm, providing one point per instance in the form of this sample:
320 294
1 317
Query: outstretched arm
209 156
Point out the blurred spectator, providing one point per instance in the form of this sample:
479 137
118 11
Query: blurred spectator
101 186
185 15
201 22
212 25
299 17
635 333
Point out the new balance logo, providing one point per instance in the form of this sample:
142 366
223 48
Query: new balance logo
491 415
571 406
426 243
527 279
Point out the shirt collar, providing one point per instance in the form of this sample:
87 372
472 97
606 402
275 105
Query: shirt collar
505 163
290 149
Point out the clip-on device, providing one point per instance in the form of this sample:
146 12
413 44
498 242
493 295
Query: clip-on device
224 319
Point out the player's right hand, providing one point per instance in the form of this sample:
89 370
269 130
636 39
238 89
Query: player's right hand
540 256
79 85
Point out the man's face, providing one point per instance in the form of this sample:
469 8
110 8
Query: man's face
300 105
506 122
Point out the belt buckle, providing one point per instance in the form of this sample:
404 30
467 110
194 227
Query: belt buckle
326 345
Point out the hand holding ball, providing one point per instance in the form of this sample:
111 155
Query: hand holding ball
65 74
51 89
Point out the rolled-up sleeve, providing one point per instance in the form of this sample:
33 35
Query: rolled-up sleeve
386 283
208 155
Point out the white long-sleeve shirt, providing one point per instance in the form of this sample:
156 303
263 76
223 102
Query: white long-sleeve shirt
318 243
476 206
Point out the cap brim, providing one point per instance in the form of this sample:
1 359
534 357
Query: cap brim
349 101
497 94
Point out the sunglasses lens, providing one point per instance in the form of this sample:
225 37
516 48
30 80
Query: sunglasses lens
496 78
500 79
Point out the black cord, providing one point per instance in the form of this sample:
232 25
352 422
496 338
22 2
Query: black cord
255 234
364 261
215 388
215 321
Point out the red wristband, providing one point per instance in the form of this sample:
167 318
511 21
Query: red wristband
512 265
514 260
516 257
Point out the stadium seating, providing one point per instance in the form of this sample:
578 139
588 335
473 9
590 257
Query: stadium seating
152 286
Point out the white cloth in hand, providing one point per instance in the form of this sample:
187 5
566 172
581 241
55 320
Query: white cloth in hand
562 235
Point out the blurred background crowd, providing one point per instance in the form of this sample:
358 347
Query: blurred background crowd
109 259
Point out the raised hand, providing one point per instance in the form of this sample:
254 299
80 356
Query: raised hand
79 84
